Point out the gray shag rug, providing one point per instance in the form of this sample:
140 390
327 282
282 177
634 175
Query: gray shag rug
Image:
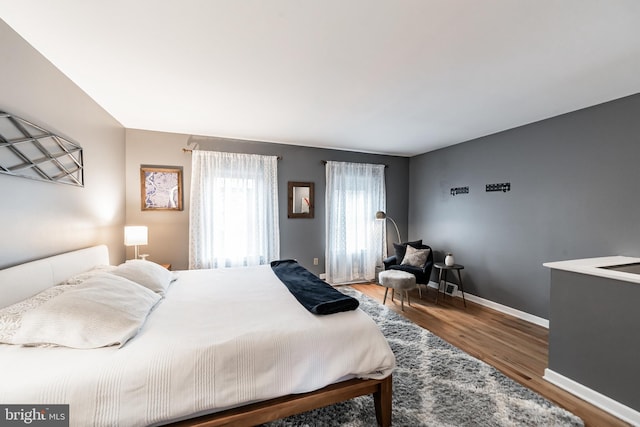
437 384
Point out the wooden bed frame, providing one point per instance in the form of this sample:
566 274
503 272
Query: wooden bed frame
38 275
281 407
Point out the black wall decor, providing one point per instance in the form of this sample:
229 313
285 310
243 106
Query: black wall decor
504 187
459 190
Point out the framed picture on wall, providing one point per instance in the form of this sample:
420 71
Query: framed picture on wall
300 203
161 188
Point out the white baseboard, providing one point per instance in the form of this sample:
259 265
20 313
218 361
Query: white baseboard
499 307
603 402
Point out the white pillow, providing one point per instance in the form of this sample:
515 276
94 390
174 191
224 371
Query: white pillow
415 257
105 310
11 316
145 273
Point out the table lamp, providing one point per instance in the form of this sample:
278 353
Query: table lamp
135 235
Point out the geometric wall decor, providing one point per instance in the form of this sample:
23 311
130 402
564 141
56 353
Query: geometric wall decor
29 151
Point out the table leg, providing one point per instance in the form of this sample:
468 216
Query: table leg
461 288
445 283
439 284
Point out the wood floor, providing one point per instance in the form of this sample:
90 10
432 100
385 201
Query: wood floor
515 347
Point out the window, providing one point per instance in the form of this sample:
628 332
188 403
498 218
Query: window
355 192
234 210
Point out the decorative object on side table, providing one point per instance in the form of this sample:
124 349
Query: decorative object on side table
135 235
449 260
161 188
442 277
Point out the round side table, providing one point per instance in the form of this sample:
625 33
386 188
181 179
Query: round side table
442 277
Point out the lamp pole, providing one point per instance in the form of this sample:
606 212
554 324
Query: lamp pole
382 215
396 226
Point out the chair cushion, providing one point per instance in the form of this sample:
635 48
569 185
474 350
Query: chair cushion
408 269
401 248
397 279
421 277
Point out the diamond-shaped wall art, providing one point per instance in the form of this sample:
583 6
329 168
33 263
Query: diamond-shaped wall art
29 151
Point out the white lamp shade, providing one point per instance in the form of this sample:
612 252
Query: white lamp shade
135 235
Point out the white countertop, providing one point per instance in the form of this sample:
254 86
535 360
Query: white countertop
590 266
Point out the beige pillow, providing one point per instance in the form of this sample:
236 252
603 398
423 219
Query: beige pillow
415 257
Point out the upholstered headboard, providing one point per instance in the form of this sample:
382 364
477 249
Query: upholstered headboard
25 280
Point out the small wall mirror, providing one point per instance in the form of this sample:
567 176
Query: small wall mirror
300 200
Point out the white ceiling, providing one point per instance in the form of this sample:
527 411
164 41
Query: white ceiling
396 77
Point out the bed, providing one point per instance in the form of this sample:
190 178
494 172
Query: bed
222 347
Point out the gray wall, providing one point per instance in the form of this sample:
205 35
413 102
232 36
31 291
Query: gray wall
303 239
595 323
39 218
574 194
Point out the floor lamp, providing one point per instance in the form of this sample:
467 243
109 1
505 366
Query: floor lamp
382 215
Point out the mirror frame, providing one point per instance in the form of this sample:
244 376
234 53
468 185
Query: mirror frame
290 213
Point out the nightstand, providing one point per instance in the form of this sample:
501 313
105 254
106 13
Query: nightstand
443 269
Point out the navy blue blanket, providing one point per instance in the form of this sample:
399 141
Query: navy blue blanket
314 294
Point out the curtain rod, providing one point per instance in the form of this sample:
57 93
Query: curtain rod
189 150
324 162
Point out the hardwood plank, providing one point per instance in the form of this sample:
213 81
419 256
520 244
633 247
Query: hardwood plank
517 348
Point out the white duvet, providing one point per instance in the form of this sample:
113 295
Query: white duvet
220 338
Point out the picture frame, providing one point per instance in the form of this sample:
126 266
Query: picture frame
161 188
300 200
450 289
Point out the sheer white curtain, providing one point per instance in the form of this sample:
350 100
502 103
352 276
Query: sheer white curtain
354 193
233 219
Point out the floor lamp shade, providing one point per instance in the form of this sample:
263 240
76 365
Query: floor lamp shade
135 235
382 215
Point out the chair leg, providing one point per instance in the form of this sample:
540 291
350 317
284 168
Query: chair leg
393 293
402 300
419 290
408 298
385 296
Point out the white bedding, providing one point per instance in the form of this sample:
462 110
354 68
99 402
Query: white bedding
220 338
